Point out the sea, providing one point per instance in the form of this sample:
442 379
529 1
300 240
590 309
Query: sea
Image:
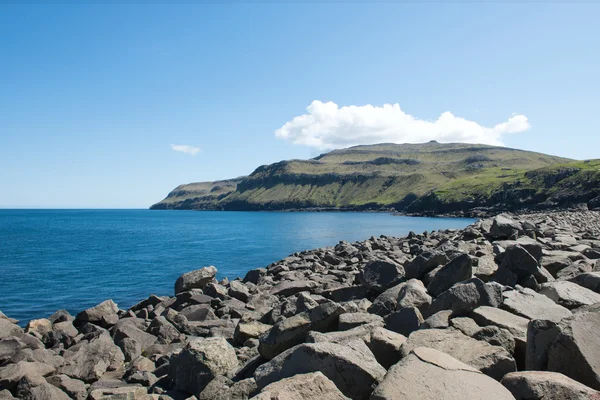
75 259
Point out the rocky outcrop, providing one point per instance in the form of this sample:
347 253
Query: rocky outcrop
446 314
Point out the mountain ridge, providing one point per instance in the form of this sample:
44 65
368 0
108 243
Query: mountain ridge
427 179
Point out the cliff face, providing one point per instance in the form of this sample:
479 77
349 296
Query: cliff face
430 178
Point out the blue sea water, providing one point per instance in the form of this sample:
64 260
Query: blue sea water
74 259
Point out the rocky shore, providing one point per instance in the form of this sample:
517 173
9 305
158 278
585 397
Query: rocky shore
507 308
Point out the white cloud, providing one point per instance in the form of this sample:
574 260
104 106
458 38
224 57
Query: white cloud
184 148
327 126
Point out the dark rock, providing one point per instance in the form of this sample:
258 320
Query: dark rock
404 321
458 270
292 331
379 275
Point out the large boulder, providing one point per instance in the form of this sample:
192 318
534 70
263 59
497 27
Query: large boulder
380 275
505 228
521 265
103 314
352 367
197 279
309 386
429 374
569 294
494 361
126 328
75 388
466 296
414 294
292 331
576 350
528 385
35 389
11 374
387 301
88 361
200 361
424 263
458 270
9 329
531 305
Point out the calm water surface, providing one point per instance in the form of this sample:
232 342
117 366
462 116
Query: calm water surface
74 259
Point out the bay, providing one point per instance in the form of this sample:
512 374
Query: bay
74 259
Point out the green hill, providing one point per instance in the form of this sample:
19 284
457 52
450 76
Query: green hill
427 178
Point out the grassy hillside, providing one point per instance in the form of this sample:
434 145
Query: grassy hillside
429 177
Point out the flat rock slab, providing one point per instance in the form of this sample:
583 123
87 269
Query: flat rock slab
313 385
531 305
351 367
528 385
429 374
494 361
515 324
569 294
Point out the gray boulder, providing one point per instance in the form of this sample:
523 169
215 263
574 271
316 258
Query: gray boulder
103 314
37 389
531 305
351 367
414 294
88 361
466 296
313 385
11 374
429 374
528 385
505 228
292 331
569 294
494 361
197 279
200 361
74 388
576 350
127 328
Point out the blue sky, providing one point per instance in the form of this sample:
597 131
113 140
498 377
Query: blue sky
92 97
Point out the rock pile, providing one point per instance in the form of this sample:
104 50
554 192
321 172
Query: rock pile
508 308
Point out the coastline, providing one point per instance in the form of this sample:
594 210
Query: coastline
347 295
